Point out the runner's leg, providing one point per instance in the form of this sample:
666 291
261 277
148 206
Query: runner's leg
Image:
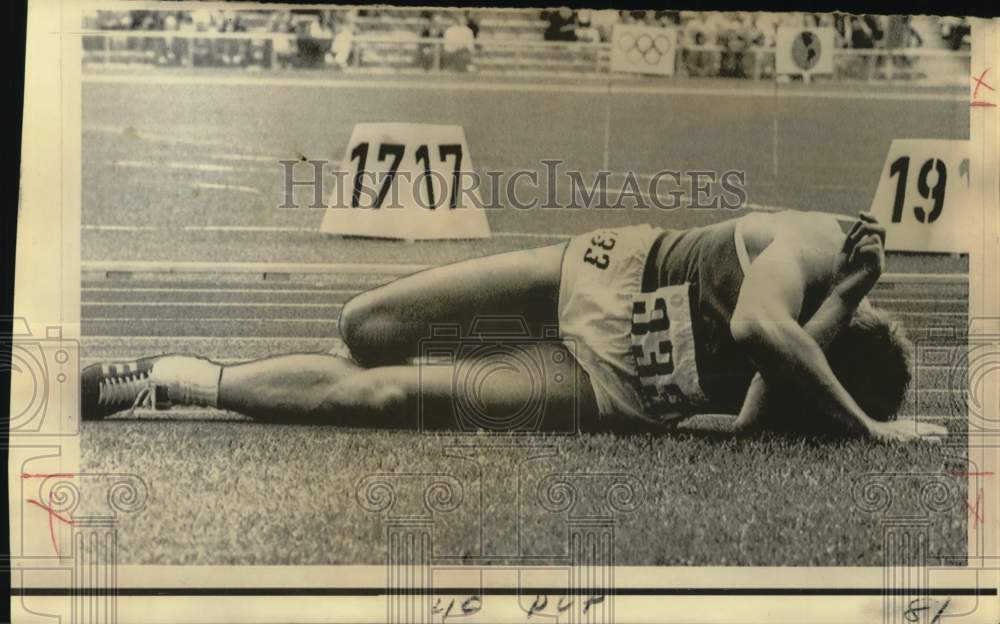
385 325
324 389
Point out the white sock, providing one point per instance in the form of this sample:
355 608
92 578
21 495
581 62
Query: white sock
189 380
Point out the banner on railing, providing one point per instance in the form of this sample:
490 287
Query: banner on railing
406 181
804 51
638 49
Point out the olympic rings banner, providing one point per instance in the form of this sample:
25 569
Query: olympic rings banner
638 49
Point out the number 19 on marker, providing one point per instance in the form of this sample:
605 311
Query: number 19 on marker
932 180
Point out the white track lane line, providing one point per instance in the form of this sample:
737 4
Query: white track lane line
662 88
238 188
192 166
244 304
323 268
132 319
275 229
87 361
882 298
107 266
148 164
318 291
121 228
253 158
889 299
131 132
109 338
325 319
247 228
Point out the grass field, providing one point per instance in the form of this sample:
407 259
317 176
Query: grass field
186 171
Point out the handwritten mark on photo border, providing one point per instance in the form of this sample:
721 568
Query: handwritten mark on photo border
52 513
981 82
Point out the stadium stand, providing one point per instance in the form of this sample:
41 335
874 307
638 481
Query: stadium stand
515 42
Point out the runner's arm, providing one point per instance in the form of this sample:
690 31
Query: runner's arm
765 323
859 265
823 327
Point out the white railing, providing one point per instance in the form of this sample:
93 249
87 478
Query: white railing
400 52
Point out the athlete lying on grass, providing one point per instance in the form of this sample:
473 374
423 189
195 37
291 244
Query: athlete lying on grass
763 316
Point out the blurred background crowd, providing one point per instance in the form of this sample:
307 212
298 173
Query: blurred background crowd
725 44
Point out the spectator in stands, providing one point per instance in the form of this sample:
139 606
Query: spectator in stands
649 18
604 21
899 33
230 51
342 46
794 20
168 47
321 28
955 31
825 20
767 25
201 49
562 25
735 37
312 41
458 45
284 47
473 24
840 29
757 60
202 20
110 20
902 34
427 51
142 20
668 19
585 30
864 33
699 34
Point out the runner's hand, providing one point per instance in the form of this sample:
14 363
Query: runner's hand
861 260
907 431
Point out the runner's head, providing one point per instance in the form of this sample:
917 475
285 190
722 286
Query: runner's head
871 357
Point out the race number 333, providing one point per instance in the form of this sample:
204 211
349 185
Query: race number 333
662 342
924 195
